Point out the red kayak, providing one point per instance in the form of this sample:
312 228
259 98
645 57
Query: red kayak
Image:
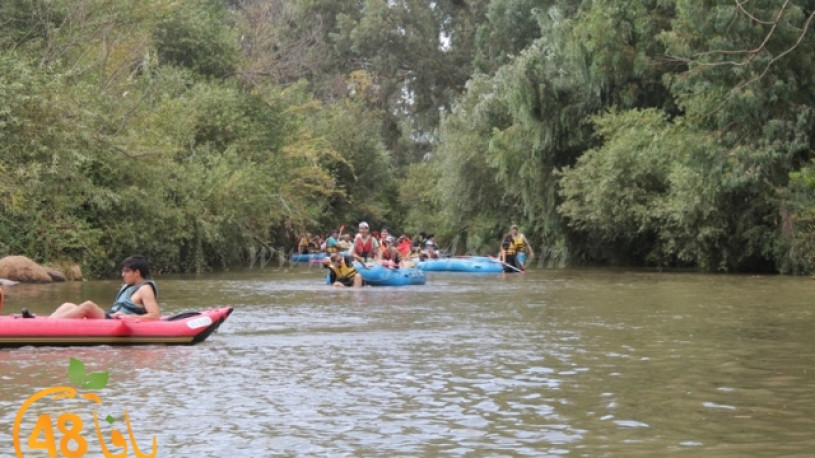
182 329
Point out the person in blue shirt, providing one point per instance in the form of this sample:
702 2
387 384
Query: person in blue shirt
332 243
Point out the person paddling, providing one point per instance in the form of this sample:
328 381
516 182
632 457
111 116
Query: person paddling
136 299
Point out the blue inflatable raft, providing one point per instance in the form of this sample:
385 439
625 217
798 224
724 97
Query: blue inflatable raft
378 275
307 257
471 264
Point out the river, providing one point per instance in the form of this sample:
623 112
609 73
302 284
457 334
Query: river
553 362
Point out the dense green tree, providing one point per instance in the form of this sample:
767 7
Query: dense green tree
795 248
749 70
418 54
133 150
530 118
720 209
510 26
362 167
634 200
195 34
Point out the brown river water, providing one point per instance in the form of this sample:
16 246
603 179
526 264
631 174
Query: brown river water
554 362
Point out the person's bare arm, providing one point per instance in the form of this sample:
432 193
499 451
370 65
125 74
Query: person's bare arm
145 297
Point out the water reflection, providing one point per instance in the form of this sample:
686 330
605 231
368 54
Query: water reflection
549 363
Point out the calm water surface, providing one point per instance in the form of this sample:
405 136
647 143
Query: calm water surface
580 363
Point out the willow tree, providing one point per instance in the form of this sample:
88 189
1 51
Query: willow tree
509 27
743 122
467 200
583 63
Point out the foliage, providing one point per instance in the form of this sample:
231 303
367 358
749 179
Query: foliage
616 196
651 132
361 167
159 160
194 34
796 249
419 56
756 109
530 118
510 26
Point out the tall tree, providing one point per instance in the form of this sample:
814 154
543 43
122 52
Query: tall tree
418 55
196 35
749 70
531 118
743 123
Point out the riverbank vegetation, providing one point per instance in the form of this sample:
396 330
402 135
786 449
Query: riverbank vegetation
668 133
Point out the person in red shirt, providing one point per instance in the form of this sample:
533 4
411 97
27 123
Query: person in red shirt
404 246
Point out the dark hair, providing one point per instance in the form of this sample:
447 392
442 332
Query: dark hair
137 263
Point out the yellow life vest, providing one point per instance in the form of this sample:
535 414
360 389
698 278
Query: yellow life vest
344 273
518 244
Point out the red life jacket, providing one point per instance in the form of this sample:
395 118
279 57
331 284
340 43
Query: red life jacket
392 254
364 249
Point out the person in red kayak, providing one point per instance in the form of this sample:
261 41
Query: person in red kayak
135 300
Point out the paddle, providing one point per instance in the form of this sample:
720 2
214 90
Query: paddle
507 265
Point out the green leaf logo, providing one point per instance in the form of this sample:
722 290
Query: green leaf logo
92 381
96 381
76 371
